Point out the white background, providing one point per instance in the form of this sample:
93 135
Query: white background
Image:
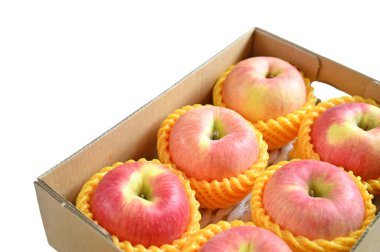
70 70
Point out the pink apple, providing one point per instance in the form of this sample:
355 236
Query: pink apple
314 199
212 142
348 135
261 88
143 203
245 239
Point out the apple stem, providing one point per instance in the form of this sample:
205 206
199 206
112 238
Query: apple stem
215 135
311 193
270 75
142 196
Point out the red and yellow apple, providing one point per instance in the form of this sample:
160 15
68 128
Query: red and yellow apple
348 135
314 199
245 239
143 203
211 142
261 88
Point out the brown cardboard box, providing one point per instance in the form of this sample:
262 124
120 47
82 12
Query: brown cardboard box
68 230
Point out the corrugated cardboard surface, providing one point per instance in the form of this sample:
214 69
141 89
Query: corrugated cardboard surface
370 241
69 230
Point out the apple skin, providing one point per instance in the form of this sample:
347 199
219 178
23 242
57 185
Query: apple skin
263 88
159 219
338 138
335 210
193 150
245 239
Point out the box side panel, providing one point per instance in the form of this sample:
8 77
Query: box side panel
372 90
315 66
135 137
348 80
370 242
267 44
65 231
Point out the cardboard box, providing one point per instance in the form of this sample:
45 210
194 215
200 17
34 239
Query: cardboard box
68 230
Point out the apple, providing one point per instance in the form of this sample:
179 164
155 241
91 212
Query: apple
263 88
143 203
314 199
245 239
212 143
348 135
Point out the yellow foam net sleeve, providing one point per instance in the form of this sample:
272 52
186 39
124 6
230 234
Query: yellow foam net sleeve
304 149
279 131
215 194
301 243
84 198
202 236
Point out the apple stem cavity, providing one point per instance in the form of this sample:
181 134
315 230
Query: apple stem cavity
145 192
318 188
314 192
270 75
366 124
217 130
